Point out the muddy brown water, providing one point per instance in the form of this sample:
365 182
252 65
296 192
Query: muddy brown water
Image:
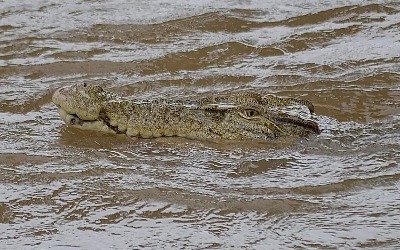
63 188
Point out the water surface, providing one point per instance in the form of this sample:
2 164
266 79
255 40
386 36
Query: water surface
63 188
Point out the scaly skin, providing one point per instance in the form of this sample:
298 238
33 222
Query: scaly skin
239 116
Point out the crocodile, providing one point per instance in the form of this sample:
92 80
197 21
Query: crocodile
238 116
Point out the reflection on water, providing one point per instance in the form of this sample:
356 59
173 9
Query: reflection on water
64 188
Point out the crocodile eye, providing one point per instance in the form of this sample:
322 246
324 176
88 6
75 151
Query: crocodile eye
99 89
250 113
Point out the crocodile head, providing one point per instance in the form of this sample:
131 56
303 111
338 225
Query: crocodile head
238 116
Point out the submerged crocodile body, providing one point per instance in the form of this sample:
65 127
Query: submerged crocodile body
238 116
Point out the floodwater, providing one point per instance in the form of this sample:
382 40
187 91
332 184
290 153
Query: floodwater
62 188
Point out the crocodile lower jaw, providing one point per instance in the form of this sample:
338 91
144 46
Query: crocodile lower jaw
74 121
103 126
